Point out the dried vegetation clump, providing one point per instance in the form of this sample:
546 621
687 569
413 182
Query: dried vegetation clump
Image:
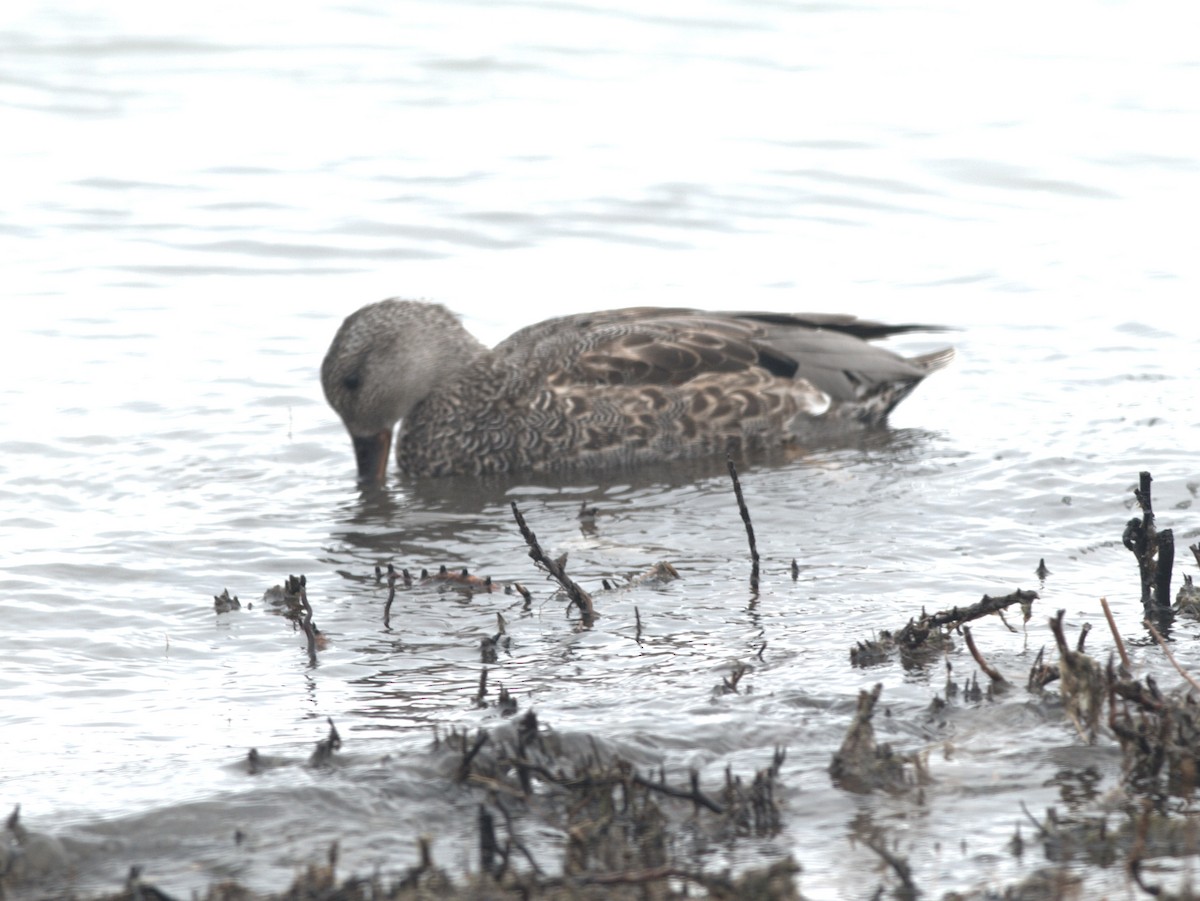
628 833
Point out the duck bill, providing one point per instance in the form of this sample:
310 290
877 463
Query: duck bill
371 454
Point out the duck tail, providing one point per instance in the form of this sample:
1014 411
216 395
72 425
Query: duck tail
873 406
932 362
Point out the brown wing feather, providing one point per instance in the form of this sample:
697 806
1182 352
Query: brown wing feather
663 353
636 346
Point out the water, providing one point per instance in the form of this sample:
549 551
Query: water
194 198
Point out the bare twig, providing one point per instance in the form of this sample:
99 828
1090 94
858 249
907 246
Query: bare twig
1082 683
1166 650
578 596
744 510
306 622
387 608
1040 828
1112 625
729 684
900 866
1041 673
1162 569
488 849
524 593
514 841
986 605
464 768
693 793
998 681
323 754
1084 630
1142 538
413 877
482 693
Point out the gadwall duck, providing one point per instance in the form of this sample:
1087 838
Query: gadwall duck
593 390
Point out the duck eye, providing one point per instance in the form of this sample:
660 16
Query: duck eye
352 382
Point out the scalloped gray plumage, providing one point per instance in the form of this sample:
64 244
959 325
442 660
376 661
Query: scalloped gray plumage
611 388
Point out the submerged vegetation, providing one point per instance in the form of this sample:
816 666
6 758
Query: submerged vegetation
624 831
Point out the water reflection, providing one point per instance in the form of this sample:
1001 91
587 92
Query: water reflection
428 515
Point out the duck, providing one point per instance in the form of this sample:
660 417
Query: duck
605 389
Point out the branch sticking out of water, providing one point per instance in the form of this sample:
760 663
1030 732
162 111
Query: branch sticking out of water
1112 626
323 754
742 508
578 596
1081 682
479 695
862 765
907 889
1162 572
525 595
998 680
464 769
1154 550
387 608
984 606
1167 650
306 622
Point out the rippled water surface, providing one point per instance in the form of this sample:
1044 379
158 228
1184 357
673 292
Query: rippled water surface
195 197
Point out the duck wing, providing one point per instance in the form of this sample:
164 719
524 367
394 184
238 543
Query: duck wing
665 346
833 352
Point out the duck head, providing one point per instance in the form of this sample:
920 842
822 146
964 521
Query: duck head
384 360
